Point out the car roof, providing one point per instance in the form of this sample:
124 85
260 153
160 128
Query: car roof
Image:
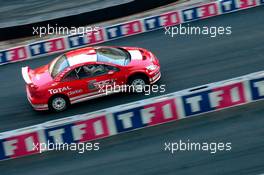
83 55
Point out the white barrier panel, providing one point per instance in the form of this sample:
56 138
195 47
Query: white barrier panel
133 116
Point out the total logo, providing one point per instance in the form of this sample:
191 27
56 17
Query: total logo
54 91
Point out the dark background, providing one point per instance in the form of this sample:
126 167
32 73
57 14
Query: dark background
83 19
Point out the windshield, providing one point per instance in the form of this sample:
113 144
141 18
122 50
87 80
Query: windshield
117 56
58 65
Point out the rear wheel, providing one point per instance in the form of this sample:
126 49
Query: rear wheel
58 103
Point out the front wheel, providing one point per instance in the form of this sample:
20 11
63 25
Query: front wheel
58 104
138 83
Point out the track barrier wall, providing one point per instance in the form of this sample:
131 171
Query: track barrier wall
61 44
133 116
137 115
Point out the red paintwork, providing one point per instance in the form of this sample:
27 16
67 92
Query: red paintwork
43 86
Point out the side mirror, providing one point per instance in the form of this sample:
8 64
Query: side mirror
111 72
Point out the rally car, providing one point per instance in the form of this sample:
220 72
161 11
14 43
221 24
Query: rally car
81 74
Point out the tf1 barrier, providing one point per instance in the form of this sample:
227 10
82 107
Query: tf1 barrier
129 117
150 23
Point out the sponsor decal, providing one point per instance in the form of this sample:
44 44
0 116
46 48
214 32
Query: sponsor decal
78 132
167 19
257 88
60 134
92 37
200 12
232 5
93 84
19 145
148 115
78 91
104 83
57 90
216 98
13 54
126 29
48 46
91 129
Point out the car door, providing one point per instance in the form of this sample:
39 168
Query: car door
116 75
106 78
99 79
77 86
86 81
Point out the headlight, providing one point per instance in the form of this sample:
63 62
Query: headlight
152 67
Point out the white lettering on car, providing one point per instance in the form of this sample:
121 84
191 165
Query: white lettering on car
75 92
54 91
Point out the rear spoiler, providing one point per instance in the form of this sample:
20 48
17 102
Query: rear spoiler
25 74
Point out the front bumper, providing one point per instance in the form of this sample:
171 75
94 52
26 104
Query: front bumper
155 77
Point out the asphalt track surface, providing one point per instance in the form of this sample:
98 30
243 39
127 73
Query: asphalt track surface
186 62
143 152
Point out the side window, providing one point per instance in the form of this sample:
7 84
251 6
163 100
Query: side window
82 72
71 76
92 71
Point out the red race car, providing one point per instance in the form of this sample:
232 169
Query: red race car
88 73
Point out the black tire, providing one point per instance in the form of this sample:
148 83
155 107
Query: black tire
138 81
58 103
